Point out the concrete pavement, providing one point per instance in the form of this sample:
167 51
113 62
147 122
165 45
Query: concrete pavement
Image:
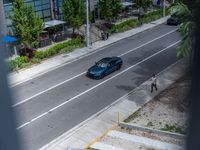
60 60
93 127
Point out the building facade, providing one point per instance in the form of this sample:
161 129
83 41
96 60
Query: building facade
41 7
46 9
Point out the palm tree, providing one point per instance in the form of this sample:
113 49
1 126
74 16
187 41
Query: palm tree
186 28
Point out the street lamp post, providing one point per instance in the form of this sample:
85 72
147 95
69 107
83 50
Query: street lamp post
87 25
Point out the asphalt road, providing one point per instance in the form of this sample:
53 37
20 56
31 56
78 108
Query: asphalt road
55 102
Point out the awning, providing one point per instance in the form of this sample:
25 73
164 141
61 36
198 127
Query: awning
9 39
53 23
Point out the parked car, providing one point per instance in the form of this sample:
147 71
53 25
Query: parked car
174 20
104 67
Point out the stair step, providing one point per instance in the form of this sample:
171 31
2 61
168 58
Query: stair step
145 141
102 146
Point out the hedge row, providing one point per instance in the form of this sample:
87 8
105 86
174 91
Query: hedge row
154 15
124 26
132 23
23 61
19 62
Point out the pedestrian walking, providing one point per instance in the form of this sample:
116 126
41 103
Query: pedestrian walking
153 83
102 35
141 15
107 35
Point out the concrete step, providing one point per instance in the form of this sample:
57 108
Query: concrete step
145 141
102 146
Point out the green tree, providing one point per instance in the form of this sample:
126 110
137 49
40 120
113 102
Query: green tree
105 7
186 28
27 25
73 12
144 3
189 3
116 7
110 8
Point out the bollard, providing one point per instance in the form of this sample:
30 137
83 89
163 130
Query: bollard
118 119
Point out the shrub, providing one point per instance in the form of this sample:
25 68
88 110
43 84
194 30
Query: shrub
124 26
39 55
12 65
18 62
154 15
132 23
59 48
23 61
35 60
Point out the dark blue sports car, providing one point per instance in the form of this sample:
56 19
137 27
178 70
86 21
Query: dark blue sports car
174 20
104 67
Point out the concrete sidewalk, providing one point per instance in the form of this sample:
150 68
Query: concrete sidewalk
95 126
60 60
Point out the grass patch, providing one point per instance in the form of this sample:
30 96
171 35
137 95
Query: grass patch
149 124
174 128
132 117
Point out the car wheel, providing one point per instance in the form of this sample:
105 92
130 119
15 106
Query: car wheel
118 67
102 76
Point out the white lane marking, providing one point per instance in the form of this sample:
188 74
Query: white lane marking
148 42
54 108
48 89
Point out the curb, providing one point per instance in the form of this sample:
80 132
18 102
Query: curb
150 130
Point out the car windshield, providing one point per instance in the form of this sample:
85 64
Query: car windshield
174 15
102 64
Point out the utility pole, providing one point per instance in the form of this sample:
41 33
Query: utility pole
164 9
87 25
3 27
8 137
3 20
